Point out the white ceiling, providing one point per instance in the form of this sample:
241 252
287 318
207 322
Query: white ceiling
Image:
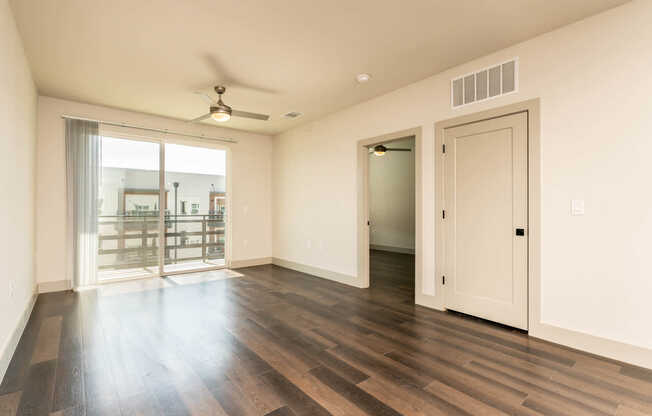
274 56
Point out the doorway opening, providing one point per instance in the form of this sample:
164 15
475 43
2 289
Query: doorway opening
162 208
391 197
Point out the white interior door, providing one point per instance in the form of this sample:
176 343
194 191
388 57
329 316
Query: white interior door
486 219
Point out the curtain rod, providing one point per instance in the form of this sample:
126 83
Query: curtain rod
164 131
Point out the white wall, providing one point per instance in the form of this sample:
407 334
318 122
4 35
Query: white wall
250 176
391 197
593 79
17 157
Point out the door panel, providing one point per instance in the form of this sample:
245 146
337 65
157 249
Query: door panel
195 234
486 200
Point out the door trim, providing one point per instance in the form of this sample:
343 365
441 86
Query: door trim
362 279
532 108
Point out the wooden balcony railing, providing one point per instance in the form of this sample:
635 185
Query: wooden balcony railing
117 233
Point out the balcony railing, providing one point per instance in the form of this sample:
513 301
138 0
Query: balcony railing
132 241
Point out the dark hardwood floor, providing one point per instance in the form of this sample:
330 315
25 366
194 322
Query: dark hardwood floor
392 272
279 342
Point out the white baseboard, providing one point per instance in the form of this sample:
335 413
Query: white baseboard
57 286
316 271
236 264
605 347
431 302
392 249
11 344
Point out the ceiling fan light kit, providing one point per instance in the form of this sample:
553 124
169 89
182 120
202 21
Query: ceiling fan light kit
380 150
221 112
362 78
220 116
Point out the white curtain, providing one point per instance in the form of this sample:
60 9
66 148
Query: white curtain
83 167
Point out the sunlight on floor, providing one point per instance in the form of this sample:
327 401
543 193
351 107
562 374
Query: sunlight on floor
157 283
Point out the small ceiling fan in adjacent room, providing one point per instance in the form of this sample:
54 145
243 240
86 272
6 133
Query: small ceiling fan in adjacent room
221 112
380 150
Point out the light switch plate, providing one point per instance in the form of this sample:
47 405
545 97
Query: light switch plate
577 207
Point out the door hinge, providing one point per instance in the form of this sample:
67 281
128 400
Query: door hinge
443 148
443 214
443 280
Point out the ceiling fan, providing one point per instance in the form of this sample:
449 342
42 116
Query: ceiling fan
221 112
380 150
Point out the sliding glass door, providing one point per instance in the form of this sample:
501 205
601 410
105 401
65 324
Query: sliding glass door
128 221
195 222
148 188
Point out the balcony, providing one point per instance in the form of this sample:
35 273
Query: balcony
129 244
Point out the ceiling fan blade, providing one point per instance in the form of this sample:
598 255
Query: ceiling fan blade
206 97
398 150
246 114
204 117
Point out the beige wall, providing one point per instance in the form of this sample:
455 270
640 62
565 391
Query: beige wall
391 197
250 179
17 156
593 78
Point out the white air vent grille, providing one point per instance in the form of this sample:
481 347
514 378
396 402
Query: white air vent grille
292 114
485 84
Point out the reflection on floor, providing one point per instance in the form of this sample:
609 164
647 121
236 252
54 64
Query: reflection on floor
140 272
279 342
156 283
141 285
201 277
192 265
133 273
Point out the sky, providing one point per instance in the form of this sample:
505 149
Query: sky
132 154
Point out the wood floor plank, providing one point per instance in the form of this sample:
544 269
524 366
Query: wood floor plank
234 401
257 391
624 410
275 355
48 341
637 372
565 398
381 366
502 398
199 402
18 368
141 404
299 402
168 400
329 399
409 400
73 411
70 346
68 386
468 403
544 407
344 370
39 387
353 393
594 384
281 411
9 403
